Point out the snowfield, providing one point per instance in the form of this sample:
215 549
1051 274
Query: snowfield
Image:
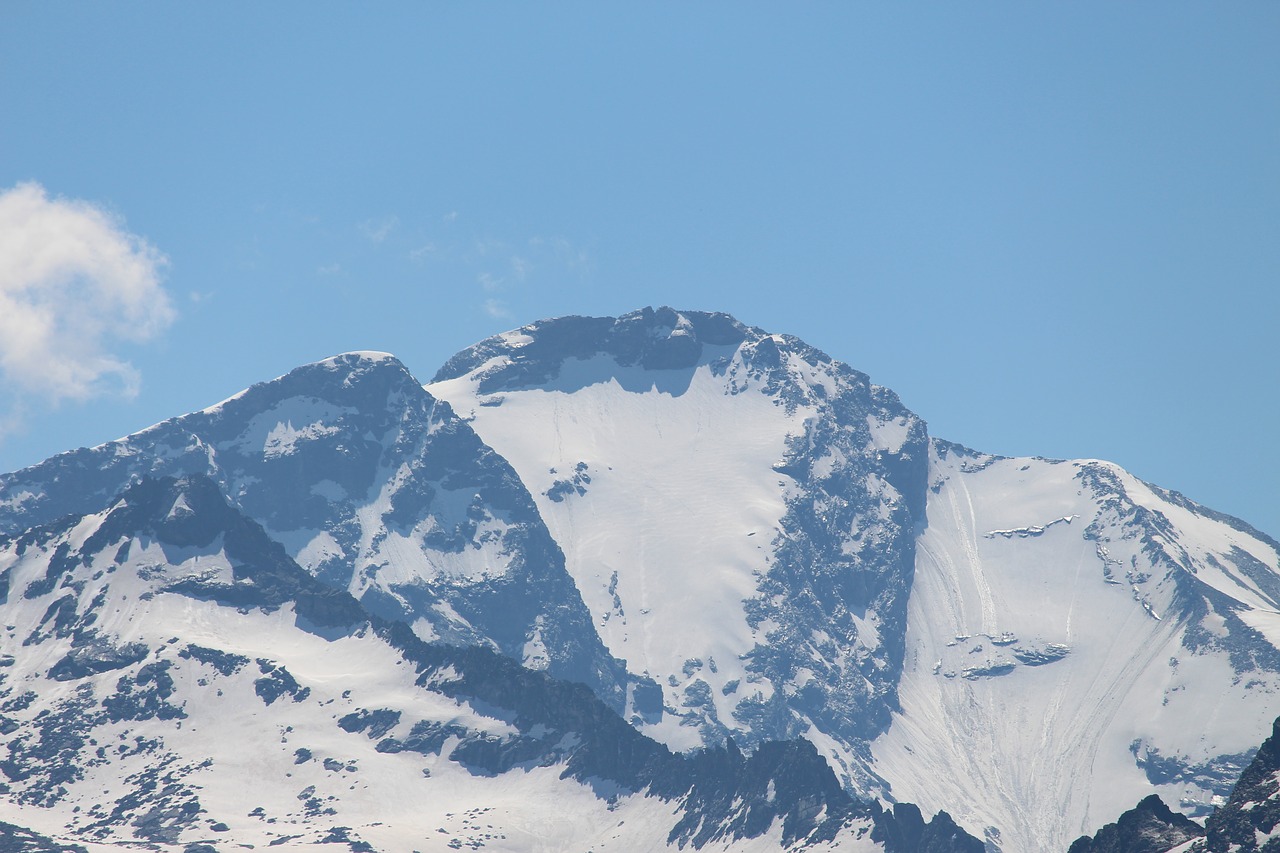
1036 752
673 516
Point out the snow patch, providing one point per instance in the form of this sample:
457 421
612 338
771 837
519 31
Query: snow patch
888 435
280 430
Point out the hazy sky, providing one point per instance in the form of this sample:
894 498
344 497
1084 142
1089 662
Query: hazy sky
1053 229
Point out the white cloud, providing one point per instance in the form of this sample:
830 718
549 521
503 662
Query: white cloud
482 246
573 257
378 231
519 267
424 251
497 309
73 285
13 419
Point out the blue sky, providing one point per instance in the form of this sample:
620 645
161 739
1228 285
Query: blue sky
1053 229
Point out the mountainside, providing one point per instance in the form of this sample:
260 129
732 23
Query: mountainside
178 679
738 510
375 487
1037 643
1078 640
1149 827
1250 819
587 551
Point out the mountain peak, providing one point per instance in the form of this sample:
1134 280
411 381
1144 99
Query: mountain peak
655 339
371 356
658 347
331 408
186 510
365 373
663 442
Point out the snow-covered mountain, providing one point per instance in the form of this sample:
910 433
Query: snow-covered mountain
375 487
1077 639
738 510
176 679
1031 645
732 540
1248 822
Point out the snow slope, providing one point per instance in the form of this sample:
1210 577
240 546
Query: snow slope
171 678
730 504
1077 640
666 523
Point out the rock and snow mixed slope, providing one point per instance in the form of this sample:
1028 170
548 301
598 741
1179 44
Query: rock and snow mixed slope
375 487
737 509
1248 822
173 678
1077 639
746 517
730 538
1149 827
1250 819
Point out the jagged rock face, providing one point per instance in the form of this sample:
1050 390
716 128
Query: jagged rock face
1250 819
205 657
1149 827
375 487
738 510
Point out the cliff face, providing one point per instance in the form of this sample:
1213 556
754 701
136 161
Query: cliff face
1150 827
1250 820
